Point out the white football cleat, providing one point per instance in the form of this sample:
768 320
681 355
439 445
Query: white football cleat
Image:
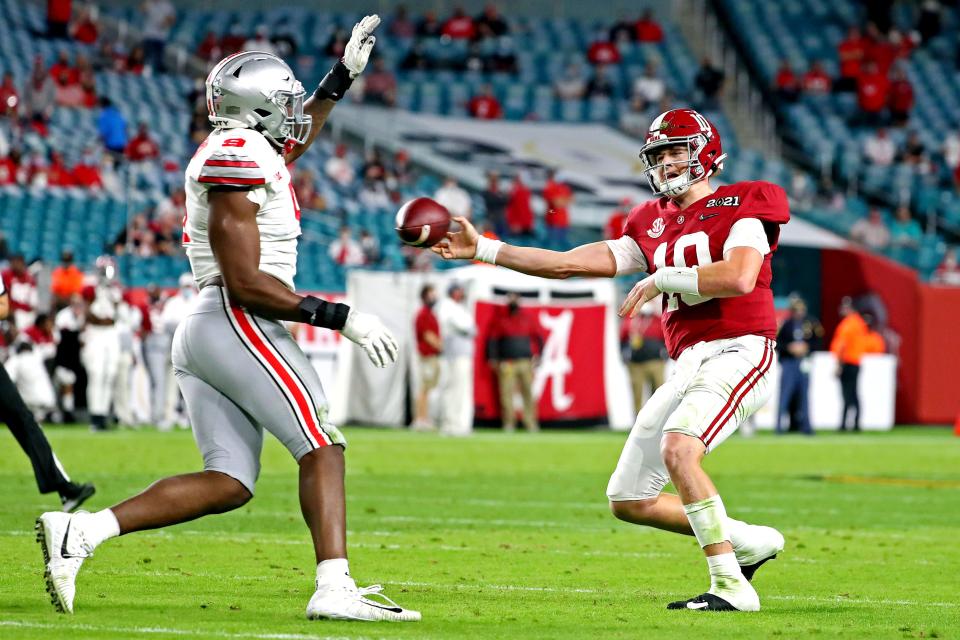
64 550
763 543
346 602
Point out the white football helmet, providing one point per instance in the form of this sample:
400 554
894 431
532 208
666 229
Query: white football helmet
257 90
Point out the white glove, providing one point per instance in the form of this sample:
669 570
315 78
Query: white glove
367 331
357 52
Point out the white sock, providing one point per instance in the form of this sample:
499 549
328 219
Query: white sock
333 572
98 526
724 572
708 519
739 531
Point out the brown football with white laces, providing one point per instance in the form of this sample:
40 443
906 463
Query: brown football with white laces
422 222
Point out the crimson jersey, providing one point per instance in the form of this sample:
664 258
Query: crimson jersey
669 236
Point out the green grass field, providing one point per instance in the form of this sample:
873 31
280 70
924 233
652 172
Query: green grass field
507 537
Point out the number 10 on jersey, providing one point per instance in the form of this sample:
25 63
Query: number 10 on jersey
701 242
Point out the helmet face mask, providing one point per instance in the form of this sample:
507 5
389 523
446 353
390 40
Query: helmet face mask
257 90
680 129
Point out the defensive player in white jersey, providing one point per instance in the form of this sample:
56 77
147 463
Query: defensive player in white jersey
239 370
709 252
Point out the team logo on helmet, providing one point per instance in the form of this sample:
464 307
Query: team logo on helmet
657 228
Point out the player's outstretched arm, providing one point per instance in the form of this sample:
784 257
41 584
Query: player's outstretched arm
338 80
589 260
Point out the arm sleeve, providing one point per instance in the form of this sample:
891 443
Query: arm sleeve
627 253
748 232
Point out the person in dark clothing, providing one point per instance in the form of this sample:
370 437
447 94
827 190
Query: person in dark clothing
645 350
798 336
709 82
495 200
19 419
513 341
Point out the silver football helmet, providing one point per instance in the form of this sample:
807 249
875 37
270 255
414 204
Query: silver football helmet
257 90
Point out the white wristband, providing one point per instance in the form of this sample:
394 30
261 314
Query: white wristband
677 280
487 250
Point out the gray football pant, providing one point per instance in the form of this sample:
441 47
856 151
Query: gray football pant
241 374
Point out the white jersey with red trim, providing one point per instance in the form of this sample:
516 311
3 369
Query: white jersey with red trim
243 159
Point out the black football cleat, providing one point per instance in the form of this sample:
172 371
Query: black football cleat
77 495
750 569
703 602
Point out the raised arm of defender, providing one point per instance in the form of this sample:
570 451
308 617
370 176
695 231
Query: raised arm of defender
589 260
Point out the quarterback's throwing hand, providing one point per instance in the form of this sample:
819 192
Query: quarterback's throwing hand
461 244
642 293
367 331
357 52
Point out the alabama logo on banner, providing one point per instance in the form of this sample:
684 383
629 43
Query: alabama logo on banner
568 382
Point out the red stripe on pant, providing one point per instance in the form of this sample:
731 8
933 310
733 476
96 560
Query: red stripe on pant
753 376
285 376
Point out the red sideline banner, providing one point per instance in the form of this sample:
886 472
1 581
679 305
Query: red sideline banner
569 382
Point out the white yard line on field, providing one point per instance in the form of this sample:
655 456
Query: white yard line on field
173 631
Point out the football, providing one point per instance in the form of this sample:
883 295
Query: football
422 222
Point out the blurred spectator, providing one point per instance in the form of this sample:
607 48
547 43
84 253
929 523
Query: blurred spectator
159 17
951 149
105 58
39 93
22 289
67 92
9 98
914 151
614 227
797 337
785 83
86 173
873 95
644 348
142 146
338 168
174 205
905 231
374 167
8 170
112 183
558 197
650 86
27 371
880 51
235 36
484 105
648 29
600 84
209 48
490 24
400 25
948 273
513 342
634 120
370 247
458 328
454 198
801 190
851 53
495 201
709 83
503 59
929 20
901 97
871 231
879 148
602 51
306 189
415 58
855 337
58 174
284 39
88 81
519 213
570 85
427 332
373 194
135 238
345 251
429 26
815 80
66 280
459 26
623 30
260 41
85 29
136 60
381 84
402 169
58 17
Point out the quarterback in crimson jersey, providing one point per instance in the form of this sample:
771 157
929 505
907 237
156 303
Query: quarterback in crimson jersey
707 250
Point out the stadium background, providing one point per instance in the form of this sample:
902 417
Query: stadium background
812 142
